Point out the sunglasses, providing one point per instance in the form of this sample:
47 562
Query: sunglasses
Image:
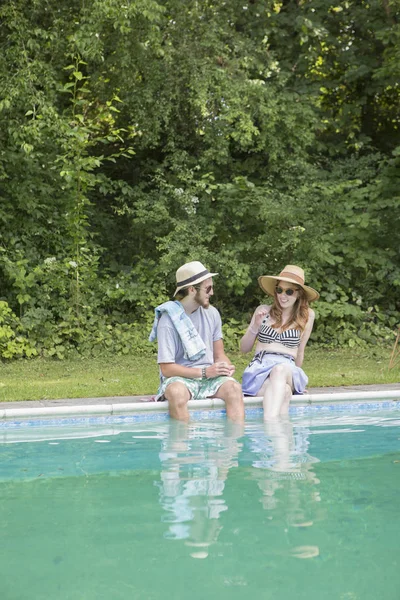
207 289
288 291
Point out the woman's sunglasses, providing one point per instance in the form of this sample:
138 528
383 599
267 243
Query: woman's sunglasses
288 291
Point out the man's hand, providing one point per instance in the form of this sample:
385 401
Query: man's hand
220 368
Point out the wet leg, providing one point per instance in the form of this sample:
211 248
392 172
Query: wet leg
178 396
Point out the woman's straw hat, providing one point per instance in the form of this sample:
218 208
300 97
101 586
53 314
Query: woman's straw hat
190 274
291 274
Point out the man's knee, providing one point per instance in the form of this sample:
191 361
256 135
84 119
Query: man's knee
177 394
231 389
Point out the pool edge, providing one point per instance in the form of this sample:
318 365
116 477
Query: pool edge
209 403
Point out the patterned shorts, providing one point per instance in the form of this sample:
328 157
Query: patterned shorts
198 388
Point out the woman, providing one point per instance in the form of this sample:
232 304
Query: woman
282 331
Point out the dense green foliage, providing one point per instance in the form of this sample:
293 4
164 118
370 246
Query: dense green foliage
136 136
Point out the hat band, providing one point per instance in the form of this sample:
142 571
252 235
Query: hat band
300 280
193 278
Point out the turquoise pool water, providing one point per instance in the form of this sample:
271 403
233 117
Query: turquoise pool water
118 508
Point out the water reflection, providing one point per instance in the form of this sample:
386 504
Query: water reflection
283 470
195 462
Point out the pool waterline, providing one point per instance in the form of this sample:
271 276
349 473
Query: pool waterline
69 426
119 408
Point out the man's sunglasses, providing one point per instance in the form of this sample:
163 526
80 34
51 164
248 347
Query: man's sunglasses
288 291
207 289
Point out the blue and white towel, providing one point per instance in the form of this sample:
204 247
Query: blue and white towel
193 346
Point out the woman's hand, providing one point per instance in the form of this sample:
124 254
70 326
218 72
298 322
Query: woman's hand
259 316
247 341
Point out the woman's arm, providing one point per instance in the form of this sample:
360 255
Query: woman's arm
247 341
304 338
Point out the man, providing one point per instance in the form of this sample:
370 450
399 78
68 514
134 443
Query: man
191 355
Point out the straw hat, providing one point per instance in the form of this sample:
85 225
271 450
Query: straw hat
291 274
190 274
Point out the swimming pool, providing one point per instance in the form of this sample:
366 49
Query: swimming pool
142 507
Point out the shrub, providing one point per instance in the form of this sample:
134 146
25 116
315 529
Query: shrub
12 343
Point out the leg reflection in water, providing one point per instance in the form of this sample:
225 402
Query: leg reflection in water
284 473
195 462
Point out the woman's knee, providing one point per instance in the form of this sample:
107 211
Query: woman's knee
279 371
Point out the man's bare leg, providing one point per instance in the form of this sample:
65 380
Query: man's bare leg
178 396
231 393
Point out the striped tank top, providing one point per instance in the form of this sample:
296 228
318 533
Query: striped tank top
289 338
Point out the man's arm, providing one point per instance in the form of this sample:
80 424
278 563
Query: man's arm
221 367
221 358
168 343
219 352
175 370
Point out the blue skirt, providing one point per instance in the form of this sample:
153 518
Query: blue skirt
260 368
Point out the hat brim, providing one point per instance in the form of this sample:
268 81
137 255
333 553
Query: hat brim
268 283
195 282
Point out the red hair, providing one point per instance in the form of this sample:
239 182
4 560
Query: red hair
300 313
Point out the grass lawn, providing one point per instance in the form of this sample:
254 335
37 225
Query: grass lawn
41 379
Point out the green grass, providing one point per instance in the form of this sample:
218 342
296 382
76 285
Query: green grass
349 367
42 379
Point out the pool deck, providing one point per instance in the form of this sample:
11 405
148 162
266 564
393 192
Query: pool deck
128 404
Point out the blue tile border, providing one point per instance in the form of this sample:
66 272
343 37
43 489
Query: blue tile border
156 417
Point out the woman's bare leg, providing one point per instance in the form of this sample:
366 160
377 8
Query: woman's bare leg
288 396
276 395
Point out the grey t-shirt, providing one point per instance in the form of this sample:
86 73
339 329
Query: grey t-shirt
170 350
